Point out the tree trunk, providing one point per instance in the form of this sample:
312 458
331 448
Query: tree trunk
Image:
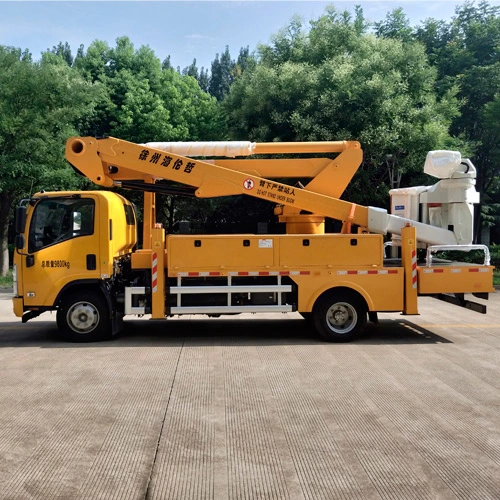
5 203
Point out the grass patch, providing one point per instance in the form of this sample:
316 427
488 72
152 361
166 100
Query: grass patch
496 278
6 281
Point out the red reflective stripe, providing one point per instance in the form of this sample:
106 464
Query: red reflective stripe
155 272
393 271
475 270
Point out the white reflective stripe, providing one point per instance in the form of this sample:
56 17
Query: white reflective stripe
414 268
155 273
242 273
367 272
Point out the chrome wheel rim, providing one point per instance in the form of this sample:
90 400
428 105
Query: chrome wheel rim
83 317
341 318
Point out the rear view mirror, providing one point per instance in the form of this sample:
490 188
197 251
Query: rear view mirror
19 241
20 224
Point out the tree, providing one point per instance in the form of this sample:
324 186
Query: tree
64 51
41 105
204 79
396 25
144 99
465 53
166 64
338 82
191 70
221 75
246 60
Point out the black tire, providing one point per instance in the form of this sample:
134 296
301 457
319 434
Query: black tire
308 317
339 316
84 317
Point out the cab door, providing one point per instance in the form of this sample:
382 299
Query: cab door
63 242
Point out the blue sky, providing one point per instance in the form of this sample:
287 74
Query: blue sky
184 30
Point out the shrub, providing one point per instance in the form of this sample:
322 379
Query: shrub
495 255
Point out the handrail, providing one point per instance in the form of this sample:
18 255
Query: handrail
460 248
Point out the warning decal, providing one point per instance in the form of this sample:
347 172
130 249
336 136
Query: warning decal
248 184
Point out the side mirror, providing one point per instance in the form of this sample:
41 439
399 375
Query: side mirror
19 241
20 224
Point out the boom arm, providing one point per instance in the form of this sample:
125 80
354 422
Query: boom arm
114 162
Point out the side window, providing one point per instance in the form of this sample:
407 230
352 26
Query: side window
129 214
60 219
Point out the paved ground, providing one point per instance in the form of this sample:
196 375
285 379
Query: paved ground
253 408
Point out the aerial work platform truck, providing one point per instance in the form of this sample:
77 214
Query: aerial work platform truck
77 252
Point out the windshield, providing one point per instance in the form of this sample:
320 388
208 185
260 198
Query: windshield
60 219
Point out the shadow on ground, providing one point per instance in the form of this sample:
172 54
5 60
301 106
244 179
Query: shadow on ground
221 331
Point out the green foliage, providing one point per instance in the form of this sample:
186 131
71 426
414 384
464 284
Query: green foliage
6 281
396 25
465 53
222 75
144 99
41 105
495 255
338 82
64 51
496 278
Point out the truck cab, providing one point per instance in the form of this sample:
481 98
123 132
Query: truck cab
72 245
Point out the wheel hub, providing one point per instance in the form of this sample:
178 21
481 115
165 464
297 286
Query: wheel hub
83 317
341 317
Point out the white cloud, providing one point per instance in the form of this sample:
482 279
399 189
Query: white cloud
197 36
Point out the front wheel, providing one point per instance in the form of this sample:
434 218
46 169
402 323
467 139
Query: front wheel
339 316
84 317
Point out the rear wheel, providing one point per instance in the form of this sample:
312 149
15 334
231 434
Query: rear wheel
339 316
84 317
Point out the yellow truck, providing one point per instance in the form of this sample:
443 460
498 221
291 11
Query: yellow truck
77 252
